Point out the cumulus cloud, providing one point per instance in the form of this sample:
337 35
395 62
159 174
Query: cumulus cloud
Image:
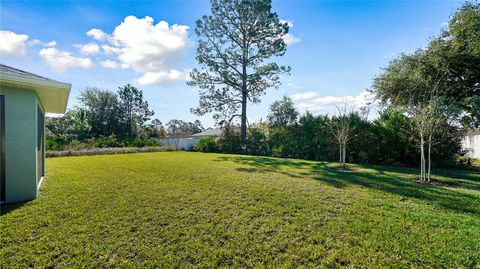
52 43
12 44
313 103
88 49
304 96
162 77
97 34
36 42
60 61
110 64
289 39
155 50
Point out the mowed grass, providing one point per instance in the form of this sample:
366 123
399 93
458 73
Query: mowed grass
179 209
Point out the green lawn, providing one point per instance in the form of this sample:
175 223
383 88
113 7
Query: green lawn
179 209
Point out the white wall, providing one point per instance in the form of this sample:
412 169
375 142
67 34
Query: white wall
183 143
472 144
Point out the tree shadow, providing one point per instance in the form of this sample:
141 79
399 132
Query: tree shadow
394 180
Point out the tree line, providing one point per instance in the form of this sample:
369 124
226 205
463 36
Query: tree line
433 93
390 139
428 98
105 118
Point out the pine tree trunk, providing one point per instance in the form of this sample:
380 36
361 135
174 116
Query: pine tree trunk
243 132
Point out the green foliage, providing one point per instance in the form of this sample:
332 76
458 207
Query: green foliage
392 143
206 144
102 110
180 127
236 44
134 110
179 209
282 113
229 141
388 140
257 140
105 119
107 141
449 67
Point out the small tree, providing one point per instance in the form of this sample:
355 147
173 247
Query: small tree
282 113
428 122
133 108
342 129
102 110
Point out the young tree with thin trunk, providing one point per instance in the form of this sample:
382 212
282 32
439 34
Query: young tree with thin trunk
416 81
428 122
342 129
236 43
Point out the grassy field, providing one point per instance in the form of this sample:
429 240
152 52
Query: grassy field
178 209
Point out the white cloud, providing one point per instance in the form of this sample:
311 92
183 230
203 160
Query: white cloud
152 49
36 42
110 64
304 96
97 34
60 61
315 104
310 107
52 43
109 50
88 49
289 39
162 77
12 44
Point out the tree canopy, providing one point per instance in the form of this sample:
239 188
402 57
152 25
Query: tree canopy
236 43
448 68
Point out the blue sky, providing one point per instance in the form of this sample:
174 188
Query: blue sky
336 48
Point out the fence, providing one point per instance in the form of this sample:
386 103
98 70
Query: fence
472 144
179 143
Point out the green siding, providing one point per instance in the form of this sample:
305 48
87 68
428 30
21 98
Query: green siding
20 144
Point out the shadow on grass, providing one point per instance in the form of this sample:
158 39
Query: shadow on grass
7 208
394 180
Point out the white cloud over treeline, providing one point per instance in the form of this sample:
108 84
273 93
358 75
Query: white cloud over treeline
153 50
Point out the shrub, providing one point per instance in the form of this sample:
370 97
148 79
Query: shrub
102 151
107 142
206 144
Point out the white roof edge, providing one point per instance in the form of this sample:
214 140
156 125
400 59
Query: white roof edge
39 84
32 81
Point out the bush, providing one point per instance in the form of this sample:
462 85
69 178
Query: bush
107 142
206 144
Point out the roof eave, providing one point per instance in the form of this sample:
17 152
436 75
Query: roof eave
62 90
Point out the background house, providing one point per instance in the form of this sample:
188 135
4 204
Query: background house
24 100
183 141
208 132
471 143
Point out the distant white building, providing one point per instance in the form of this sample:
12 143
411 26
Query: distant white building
209 132
187 142
471 142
